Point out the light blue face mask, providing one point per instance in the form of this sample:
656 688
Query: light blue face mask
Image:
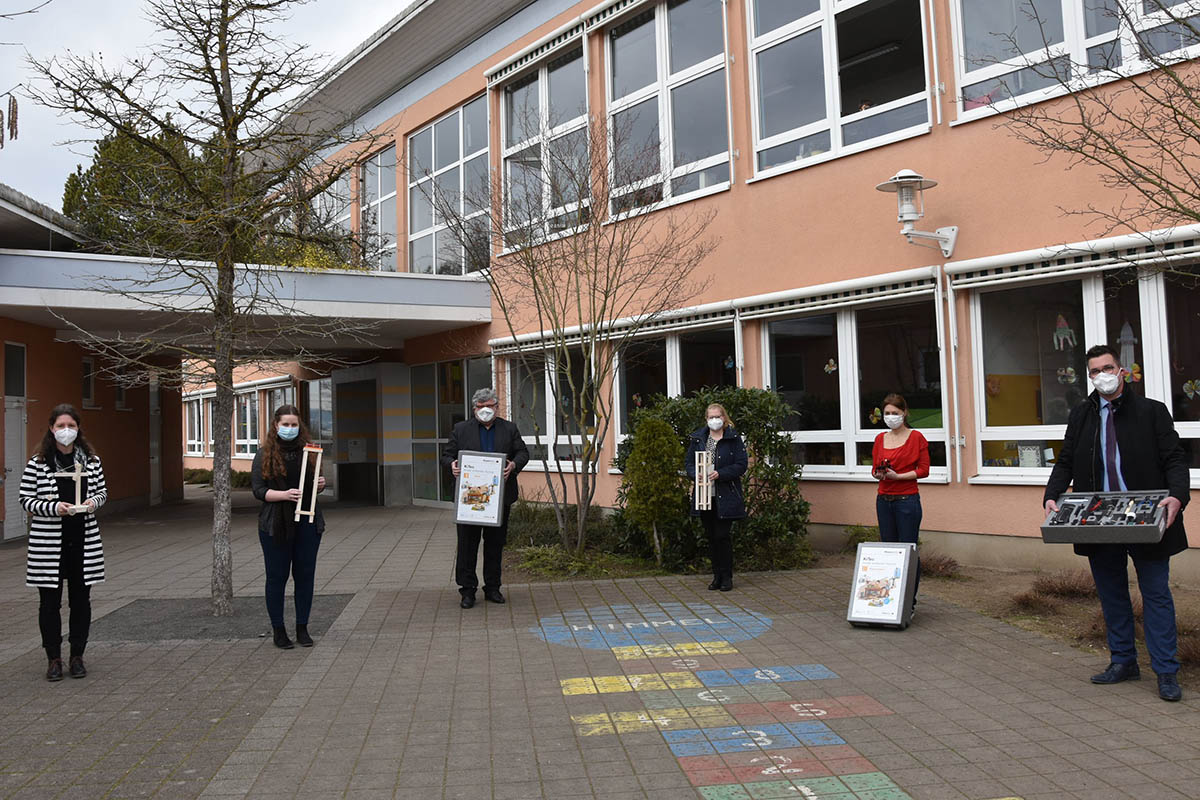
288 432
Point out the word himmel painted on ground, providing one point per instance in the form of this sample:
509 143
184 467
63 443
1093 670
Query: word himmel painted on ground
607 627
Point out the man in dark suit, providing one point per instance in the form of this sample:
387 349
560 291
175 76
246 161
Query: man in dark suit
1118 441
486 433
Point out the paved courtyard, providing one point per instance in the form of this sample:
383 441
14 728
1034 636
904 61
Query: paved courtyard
646 688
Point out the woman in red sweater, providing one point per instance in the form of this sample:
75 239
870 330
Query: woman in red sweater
899 458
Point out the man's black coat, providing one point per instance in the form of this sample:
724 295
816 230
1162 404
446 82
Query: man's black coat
1151 458
465 436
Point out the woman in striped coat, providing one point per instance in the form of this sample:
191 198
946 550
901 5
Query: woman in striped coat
64 538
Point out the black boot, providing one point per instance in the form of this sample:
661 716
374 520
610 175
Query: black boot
726 582
281 639
302 637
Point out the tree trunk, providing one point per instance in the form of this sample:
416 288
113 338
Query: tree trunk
222 571
657 544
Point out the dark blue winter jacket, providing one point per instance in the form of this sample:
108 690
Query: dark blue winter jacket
730 466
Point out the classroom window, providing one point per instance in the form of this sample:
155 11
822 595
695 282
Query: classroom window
668 108
829 79
195 427
448 193
246 424
378 212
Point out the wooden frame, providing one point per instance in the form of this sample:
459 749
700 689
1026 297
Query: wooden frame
311 511
703 493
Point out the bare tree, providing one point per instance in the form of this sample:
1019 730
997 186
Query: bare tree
582 250
218 173
1139 131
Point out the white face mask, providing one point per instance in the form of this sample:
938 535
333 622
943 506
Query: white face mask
485 414
1106 382
893 421
716 423
66 436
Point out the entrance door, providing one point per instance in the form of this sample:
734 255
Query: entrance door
15 422
155 444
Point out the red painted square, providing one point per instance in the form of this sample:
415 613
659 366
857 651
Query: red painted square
695 763
711 777
850 766
818 709
771 767
751 714
748 757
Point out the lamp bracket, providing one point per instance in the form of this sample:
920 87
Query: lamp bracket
945 237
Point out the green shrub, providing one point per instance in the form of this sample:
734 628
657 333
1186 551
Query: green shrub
774 535
532 524
652 483
857 534
197 475
552 561
239 480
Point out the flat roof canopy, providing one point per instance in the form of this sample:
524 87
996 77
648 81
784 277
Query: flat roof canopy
107 295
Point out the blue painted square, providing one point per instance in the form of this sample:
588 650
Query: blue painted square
682 749
715 677
684 735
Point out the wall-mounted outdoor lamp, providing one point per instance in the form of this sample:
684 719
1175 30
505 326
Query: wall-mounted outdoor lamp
909 188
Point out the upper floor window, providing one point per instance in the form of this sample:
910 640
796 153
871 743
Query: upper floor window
835 76
667 104
448 175
378 211
546 165
1011 49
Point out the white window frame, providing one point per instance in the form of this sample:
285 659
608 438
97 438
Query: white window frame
674 380
1074 46
194 423
420 180
546 134
209 444
245 446
89 382
373 254
825 20
289 396
549 435
852 431
660 89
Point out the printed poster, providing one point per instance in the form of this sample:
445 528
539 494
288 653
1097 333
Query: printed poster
878 591
480 488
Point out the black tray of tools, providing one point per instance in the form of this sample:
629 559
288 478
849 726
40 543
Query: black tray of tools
1107 518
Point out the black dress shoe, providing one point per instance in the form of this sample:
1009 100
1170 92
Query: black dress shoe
1168 687
281 639
493 596
302 637
1117 673
54 671
716 584
727 583
76 667
468 601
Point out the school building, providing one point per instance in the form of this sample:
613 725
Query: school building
781 117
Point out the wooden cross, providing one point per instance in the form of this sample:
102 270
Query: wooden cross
311 512
77 476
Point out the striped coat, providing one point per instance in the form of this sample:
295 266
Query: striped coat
39 497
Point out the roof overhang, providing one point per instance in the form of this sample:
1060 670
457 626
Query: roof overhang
107 295
26 223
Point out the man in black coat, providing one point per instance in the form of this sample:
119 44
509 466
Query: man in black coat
489 434
1119 441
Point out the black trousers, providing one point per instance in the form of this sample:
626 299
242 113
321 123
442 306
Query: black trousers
720 543
494 540
70 569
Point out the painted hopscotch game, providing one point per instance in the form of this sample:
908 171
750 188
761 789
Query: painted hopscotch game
738 732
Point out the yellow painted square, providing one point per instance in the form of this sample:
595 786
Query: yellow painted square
647 683
681 680
612 683
628 653
592 724
577 686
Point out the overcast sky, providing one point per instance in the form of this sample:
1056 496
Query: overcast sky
38 162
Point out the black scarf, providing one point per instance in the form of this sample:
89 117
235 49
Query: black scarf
284 529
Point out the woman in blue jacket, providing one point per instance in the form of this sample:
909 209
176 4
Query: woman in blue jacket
720 439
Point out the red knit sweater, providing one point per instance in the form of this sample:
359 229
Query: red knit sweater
912 455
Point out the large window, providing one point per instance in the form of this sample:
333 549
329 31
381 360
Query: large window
448 192
642 375
546 153
834 369
1020 48
245 420
195 427
834 76
378 212
441 397
707 358
532 396
667 103
280 396
318 408
1183 351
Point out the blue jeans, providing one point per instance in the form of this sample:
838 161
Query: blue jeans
900 521
1111 573
300 559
